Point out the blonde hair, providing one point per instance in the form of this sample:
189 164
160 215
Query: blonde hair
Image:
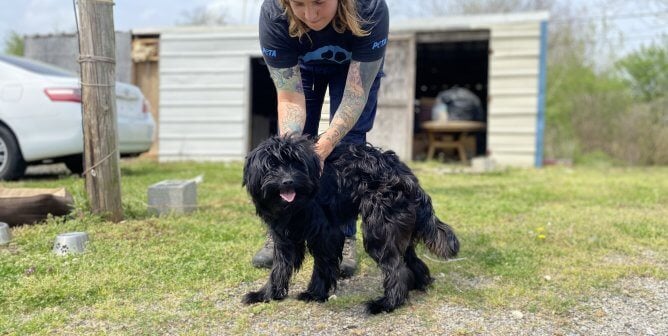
346 18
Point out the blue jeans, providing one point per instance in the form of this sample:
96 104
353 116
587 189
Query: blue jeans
315 80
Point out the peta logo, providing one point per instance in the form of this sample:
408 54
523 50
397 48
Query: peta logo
379 44
269 52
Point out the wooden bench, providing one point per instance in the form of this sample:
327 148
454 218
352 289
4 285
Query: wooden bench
450 135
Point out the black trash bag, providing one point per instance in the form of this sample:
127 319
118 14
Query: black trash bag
461 104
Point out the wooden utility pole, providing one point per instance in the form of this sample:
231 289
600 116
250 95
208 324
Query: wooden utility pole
98 85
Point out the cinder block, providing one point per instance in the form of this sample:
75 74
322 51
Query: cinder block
5 234
172 196
483 164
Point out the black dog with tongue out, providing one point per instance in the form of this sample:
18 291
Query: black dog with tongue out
303 209
282 177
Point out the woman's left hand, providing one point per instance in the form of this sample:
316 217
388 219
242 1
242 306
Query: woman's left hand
323 148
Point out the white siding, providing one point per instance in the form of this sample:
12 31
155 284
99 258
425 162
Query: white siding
393 127
203 94
513 92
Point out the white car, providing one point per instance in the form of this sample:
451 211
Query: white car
40 117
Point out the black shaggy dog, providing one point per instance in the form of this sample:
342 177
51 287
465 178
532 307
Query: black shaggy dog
303 210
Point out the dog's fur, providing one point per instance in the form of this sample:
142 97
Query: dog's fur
304 209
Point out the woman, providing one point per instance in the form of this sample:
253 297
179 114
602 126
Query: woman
312 45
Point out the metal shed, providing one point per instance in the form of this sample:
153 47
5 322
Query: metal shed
62 50
217 100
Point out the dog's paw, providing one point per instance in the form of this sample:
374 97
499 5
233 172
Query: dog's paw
254 297
309 297
378 306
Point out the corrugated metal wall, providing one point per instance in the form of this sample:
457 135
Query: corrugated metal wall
62 50
203 94
513 90
393 126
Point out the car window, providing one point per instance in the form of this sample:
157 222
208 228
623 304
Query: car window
36 67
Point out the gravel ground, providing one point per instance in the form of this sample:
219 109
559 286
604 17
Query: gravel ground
52 170
634 306
637 306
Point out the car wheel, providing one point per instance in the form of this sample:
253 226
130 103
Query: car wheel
74 163
12 165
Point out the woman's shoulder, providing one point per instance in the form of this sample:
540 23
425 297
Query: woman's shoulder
370 8
272 10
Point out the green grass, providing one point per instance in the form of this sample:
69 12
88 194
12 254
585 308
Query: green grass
536 240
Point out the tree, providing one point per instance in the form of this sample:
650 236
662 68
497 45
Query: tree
202 16
646 71
14 44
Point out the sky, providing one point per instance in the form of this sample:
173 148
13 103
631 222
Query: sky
29 17
638 25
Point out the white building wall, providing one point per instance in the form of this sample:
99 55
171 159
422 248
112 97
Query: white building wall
204 79
513 91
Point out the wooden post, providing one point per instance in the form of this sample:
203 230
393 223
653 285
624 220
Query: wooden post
98 85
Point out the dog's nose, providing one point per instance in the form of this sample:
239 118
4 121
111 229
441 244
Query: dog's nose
287 182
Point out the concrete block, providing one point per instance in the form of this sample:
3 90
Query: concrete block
483 164
172 196
5 234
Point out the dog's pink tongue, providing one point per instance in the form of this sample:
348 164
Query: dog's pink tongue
288 196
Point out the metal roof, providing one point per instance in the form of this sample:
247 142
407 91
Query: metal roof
465 21
405 25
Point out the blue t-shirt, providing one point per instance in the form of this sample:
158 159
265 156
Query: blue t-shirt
325 46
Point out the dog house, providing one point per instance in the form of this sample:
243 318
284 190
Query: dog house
217 100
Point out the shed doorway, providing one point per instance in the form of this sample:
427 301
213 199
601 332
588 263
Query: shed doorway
446 60
263 104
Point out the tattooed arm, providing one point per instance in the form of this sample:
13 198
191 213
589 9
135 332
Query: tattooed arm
358 83
291 101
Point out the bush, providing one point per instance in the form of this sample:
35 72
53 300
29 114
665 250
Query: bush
14 44
641 136
608 116
582 109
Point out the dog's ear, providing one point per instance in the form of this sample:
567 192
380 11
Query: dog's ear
313 161
314 167
244 181
251 171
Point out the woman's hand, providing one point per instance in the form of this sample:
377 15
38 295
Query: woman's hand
323 148
359 80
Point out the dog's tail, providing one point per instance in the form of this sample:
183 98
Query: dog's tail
438 236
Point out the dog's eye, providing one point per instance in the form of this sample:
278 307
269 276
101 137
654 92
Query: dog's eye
272 162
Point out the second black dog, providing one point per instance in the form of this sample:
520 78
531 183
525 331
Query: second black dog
304 209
